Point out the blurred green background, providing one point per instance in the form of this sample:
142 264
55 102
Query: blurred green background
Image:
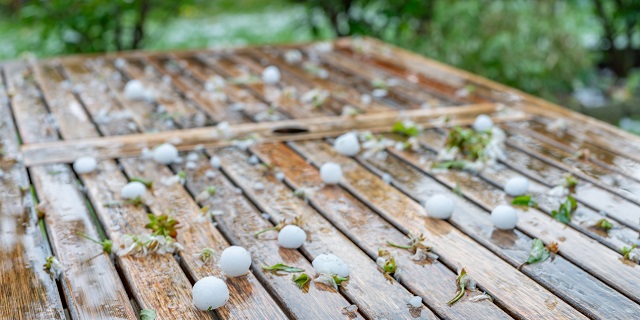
583 54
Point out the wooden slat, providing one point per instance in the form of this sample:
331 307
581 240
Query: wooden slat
405 89
511 289
586 253
598 156
248 298
254 108
343 91
583 219
143 113
612 181
559 276
375 295
399 59
217 108
98 100
91 284
273 94
28 291
182 112
239 221
241 304
432 280
189 139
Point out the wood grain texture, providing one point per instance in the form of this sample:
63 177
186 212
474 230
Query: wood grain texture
583 219
561 277
211 101
27 290
375 295
90 282
239 220
349 93
256 109
191 139
510 288
248 298
432 280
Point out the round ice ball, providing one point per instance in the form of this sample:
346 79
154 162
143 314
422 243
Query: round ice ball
271 75
516 186
134 90
210 293
331 173
133 190
291 237
330 264
235 261
504 217
482 123
215 162
440 206
85 165
347 144
165 153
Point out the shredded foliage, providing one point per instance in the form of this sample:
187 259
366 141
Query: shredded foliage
147 183
469 142
566 209
301 280
148 314
524 201
282 267
406 128
626 251
388 262
540 252
163 224
106 244
461 283
603 224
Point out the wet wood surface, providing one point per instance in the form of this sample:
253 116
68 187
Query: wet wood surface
271 140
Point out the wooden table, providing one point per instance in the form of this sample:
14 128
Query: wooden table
54 111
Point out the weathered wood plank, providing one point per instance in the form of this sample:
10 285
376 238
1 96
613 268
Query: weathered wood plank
28 291
106 110
90 282
167 101
432 280
612 181
603 263
239 221
215 104
559 276
248 298
510 288
189 139
375 295
254 108
145 114
584 218
342 90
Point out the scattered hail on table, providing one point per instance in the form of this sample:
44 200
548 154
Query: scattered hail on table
472 148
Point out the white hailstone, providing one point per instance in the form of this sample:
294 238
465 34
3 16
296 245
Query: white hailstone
516 186
331 173
330 264
215 162
165 153
387 178
291 237
271 75
133 190
192 156
85 165
347 144
279 176
146 153
504 217
482 123
210 293
253 160
365 99
415 301
190 165
379 93
235 261
209 173
440 206
293 56
134 90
